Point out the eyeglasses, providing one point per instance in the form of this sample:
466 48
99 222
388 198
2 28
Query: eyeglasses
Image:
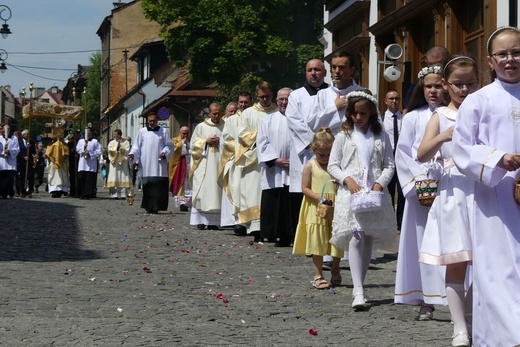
469 85
394 99
502 56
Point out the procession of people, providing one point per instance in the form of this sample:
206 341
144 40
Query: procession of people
322 170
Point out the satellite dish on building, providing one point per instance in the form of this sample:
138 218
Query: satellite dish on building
393 51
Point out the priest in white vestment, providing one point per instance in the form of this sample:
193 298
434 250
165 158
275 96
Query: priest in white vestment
274 143
330 103
297 115
9 149
246 158
229 174
152 150
205 158
118 180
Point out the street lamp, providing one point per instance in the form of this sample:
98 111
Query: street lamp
3 58
5 31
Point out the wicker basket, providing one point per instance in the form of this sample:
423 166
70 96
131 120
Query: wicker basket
517 191
426 191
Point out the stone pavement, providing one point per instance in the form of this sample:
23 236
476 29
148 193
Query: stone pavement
102 273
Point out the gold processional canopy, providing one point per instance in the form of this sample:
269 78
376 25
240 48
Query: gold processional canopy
44 109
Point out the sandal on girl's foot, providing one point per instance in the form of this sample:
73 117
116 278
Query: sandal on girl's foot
335 278
320 283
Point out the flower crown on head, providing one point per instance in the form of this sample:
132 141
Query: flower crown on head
361 94
436 69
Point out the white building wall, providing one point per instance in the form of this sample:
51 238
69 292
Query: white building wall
373 67
503 13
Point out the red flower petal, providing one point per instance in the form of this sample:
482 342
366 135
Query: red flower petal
313 332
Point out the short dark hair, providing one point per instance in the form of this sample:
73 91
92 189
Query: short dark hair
342 54
119 132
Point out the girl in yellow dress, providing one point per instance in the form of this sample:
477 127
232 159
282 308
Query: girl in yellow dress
313 233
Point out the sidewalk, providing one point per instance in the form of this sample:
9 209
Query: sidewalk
102 273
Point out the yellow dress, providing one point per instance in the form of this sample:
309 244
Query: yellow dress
313 233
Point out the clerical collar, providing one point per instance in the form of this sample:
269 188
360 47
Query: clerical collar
265 109
314 90
152 129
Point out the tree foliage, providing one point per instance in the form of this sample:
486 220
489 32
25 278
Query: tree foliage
239 42
93 92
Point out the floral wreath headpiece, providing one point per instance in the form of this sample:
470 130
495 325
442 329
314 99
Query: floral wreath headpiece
436 69
361 94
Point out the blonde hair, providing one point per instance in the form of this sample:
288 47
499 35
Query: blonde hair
322 138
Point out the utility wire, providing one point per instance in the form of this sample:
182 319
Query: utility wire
29 73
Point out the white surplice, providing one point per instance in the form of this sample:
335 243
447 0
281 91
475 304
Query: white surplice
90 163
273 142
147 149
487 127
415 282
8 162
297 113
324 111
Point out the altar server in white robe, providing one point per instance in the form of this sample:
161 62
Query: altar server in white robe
330 103
9 149
246 157
205 158
152 150
297 113
486 148
417 283
273 156
89 151
228 173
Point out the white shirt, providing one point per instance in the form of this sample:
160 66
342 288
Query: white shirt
388 124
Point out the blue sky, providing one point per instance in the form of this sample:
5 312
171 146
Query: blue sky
50 26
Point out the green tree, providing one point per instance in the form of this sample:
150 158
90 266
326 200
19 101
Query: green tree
240 42
93 92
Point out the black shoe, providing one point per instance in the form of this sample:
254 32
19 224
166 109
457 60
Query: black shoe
184 208
256 235
201 226
283 244
240 230
213 227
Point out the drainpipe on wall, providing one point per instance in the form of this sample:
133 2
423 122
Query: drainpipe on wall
140 92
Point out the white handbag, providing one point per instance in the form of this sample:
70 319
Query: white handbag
366 200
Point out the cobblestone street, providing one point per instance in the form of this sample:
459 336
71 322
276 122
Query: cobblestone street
102 273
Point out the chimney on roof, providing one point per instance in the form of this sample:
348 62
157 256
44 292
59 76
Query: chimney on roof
54 90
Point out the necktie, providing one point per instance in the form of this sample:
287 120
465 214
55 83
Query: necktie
396 132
